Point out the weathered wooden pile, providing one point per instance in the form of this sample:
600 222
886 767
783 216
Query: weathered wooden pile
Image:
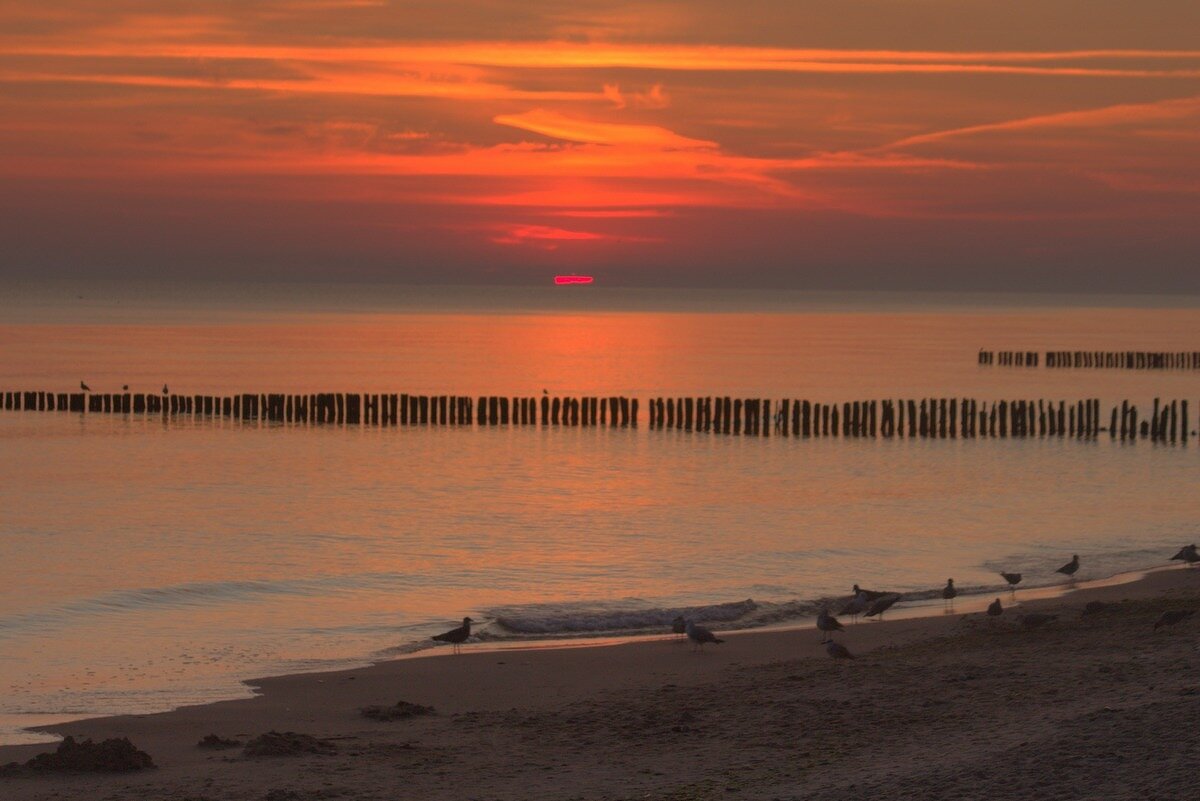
1095 359
927 418
345 408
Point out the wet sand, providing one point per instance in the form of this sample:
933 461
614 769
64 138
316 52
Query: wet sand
955 705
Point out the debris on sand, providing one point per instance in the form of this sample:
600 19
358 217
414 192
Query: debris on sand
400 711
116 755
287 743
214 743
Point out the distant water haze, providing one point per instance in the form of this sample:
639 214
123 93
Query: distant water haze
146 564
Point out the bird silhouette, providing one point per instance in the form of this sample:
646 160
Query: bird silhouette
870 595
1070 568
828 624
700 635
456 637
84 387
949 594
856 606
883 604
995 609
1173 616
1013 580
165 390
679 626
1183 553
837 650
124 387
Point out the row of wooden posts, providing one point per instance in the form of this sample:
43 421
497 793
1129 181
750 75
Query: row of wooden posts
346 408
935 418
924 418
1095 359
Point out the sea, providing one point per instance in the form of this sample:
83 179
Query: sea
148 563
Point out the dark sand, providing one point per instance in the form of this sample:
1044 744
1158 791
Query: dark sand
953 706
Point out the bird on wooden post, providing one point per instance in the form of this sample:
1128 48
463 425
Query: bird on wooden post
837 650
828 624
456 637
84 387
948 595
124 387
165 390
995 609
1013 580
700 635
1070 568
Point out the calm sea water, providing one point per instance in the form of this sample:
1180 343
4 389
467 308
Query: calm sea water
146 564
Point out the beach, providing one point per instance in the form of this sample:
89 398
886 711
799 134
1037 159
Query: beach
948 705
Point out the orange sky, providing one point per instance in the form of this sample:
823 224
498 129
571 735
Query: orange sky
926 144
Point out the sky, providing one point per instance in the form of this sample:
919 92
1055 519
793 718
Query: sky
841 144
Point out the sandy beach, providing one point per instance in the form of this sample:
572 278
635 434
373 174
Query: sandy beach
955 705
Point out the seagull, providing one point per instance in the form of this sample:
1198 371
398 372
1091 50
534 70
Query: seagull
700 635
165 390
1173 616
124 387
995 609
679 626
1191 557
883 604
837 650
1013 580
828 624
948 594
456 637
1037 620
870 595
856 606
1070 568
1184 553
84 387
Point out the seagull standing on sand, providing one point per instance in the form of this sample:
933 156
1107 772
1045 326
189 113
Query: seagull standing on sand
948 595
1184 552
1173 616
1070 568
995 609
882 605
1013 580
456 637
855 607
837 650
679 626
700 635
828 624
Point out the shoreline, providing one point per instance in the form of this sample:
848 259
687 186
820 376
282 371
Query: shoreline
509 695
967 602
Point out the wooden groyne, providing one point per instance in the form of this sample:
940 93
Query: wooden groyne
1094 359
345 408
923 418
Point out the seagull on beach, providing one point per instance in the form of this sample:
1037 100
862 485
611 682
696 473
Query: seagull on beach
456 637
1173 616
828 624
700 635
855 607
1070 568
679 626
1013 580
995 609
948 595
837 650
84 387
870 595
1184 552
883 604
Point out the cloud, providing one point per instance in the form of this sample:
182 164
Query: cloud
557 126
